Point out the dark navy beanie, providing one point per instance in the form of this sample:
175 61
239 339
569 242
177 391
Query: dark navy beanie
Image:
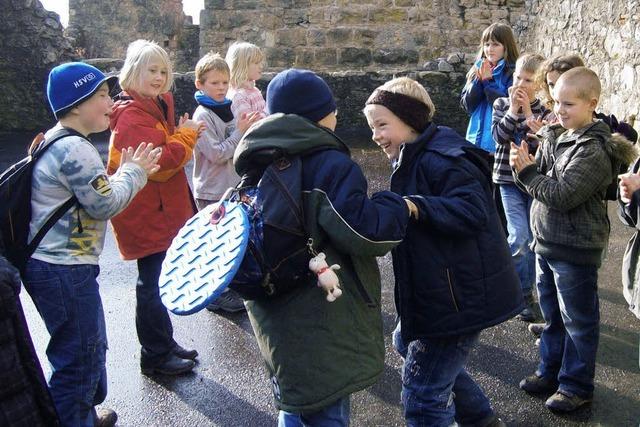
300 92
72 83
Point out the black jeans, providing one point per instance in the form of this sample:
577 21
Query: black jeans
153 324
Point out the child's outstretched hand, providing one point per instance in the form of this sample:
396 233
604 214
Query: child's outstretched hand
145 156
519 157
247 119
485 72
629 184
535 123
187 123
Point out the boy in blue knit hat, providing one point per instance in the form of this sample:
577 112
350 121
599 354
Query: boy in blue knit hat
319 352
61 274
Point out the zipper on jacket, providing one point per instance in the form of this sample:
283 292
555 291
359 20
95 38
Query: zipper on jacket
364 294
453 297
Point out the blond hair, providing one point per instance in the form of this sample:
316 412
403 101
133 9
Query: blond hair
239 56
584 81
211 62
409 87
140 54
529 62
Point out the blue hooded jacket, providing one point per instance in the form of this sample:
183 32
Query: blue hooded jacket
477 100
454 273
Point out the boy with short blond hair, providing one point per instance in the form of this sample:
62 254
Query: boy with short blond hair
568 179
61 274
514 117
453 271
213 171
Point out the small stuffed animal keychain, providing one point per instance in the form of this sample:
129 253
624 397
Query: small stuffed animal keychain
327 279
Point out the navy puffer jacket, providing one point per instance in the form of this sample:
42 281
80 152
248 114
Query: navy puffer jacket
454 273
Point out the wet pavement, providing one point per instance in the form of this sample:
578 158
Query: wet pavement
229 387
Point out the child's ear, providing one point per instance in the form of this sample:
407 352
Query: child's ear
198 84
593 103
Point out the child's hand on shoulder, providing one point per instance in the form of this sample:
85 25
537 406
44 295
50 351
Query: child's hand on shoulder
187 123
629 184
144 156
247 119
519 157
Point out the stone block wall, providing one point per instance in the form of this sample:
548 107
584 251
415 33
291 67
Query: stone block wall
605 33
339 35
31 44
105 28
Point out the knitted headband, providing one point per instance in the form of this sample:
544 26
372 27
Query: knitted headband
408 109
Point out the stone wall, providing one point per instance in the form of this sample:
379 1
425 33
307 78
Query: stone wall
352 88
605 33
370 35
105 28
31 44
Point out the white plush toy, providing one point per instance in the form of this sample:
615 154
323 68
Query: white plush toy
327 279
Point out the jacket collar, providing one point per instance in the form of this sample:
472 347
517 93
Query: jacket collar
161 108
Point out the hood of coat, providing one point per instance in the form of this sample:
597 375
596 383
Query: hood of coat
162 110
617 146
282 134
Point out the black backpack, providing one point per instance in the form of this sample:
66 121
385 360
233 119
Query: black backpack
15 204
278 252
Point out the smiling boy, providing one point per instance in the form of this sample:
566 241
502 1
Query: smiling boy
453 271
568 179
61 274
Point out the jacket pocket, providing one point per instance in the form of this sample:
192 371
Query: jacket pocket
451 289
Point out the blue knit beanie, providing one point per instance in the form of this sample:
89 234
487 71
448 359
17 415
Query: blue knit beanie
300 92
72 83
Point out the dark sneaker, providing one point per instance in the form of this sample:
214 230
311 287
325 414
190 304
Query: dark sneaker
174 365
496 422
536 328
105 417
535 384
564 401
228 301
183 353
529 314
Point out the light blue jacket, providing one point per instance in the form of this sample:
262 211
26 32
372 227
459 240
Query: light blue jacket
477 99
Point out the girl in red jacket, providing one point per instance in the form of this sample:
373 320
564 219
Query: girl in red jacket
144 111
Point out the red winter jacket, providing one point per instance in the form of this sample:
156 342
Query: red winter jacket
150 222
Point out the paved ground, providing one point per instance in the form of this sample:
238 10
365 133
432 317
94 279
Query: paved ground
229 388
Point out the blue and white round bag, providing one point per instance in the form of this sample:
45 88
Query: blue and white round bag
204 257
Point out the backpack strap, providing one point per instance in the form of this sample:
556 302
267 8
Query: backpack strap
37 153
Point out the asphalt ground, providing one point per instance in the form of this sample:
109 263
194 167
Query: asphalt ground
229 387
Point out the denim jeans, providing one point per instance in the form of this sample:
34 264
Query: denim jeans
68 300
436 388
155 331
570 307
517 208
334 415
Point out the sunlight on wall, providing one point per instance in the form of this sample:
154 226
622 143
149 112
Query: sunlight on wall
190 7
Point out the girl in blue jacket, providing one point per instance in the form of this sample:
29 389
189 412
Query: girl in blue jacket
487 80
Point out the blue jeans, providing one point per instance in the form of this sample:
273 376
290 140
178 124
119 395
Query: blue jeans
570 307
153 324
68 300
517 208
334 415
436 388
